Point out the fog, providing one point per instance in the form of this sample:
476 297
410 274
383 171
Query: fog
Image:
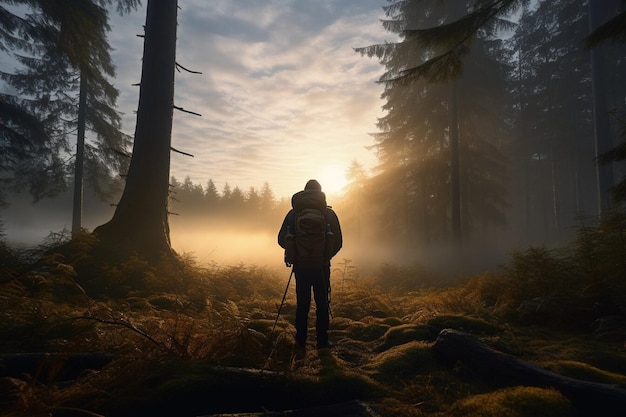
225 244
206 241
234 235
28 224
227 241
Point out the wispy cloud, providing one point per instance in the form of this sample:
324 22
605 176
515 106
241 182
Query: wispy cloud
282 93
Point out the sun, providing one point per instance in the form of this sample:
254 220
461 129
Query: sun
333 179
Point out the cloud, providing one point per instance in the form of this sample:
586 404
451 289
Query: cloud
281 93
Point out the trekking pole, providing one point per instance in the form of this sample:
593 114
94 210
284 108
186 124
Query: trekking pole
330 311
327 288
276 321
281 304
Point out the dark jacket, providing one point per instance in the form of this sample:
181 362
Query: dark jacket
331 219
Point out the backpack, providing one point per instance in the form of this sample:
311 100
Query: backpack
309 238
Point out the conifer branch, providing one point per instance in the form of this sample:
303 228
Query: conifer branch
122 153
448 65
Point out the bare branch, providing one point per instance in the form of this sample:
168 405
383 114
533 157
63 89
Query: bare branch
186 111
181 152
123 324
179 67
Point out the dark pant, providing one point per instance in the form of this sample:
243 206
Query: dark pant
319 279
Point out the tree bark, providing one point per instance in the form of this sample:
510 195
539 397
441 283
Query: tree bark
354 408
598 11
77 211
49 367
140 222
591 398
455 172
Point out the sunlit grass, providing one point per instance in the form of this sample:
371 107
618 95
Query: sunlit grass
514 402
584 371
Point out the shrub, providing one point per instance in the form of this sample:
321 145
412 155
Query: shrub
538 272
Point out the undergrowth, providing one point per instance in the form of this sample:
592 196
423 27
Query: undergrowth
171 327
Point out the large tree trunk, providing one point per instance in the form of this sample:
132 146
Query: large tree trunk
140 222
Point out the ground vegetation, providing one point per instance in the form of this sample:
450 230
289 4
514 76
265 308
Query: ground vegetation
93 337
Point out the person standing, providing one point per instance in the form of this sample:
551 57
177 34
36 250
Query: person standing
311 236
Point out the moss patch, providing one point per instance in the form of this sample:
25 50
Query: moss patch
515 402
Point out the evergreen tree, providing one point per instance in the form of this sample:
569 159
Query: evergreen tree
63 84
554 162
408 146
547 152
226 195
211 196
237 200
28 141
602 79
444 45
253 200
190 196
439 143
267 200
614 29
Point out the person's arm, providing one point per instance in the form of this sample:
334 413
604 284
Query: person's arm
336 229
283 229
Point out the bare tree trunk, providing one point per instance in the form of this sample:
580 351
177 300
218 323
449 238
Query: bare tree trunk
455 179
140 222
598 10
77 211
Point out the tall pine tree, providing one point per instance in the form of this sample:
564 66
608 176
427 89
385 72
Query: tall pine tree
140 223
440 148
63 84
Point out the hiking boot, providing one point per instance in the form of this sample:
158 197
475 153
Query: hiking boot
325 345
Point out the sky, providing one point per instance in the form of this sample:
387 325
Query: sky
283 97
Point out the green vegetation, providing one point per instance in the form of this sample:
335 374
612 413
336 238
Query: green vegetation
185 338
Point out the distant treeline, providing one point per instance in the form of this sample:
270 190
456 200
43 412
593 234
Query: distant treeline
258 207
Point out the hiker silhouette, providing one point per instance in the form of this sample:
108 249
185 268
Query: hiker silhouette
311 236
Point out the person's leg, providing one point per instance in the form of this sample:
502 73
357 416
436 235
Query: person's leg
303 299
321 285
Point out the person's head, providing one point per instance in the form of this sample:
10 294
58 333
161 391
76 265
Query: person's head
313 185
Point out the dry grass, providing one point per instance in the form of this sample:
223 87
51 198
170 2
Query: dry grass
172 327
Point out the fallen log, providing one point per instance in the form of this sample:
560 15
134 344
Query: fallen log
353 408
507 370
48 367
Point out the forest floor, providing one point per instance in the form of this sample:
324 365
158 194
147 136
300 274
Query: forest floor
201 343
